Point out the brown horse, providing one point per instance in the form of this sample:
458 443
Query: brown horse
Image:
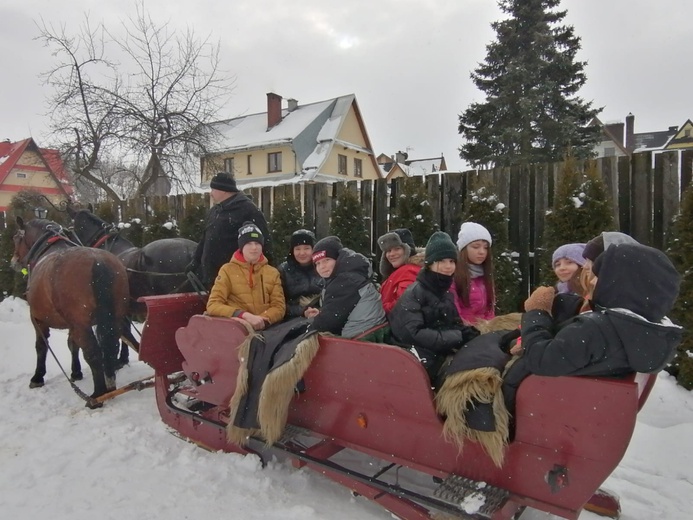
75 288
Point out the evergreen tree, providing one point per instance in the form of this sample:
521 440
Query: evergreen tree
349 223
582 210
193 223
160 225
133 231
286 218
681 251
530 77
483 207
10 280
413 210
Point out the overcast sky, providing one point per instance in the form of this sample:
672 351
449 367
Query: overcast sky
407 61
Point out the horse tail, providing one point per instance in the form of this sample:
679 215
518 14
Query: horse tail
107 324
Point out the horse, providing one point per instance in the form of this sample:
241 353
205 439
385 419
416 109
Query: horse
155 269
75 288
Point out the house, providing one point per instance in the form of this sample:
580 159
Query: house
324 141
683 139
23 165
399 165
619 139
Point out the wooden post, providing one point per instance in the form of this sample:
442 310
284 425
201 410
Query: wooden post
624 194
523 227
309 206
686 169
434 198
380 214
266 202
641 198
667 183
323 209
609 170
367 205
453 201
541 204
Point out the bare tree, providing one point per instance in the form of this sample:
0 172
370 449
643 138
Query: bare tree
151 110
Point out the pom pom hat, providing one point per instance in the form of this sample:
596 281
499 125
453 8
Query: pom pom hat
471 232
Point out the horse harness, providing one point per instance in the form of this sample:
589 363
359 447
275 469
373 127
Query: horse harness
44 243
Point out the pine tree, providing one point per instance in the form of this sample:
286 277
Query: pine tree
413 210
681 251
192 225
160 225
349 223
582 210
286 218
531 79
483 207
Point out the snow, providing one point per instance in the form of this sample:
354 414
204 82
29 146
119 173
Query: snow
66 462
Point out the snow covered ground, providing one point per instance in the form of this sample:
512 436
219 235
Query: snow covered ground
62 461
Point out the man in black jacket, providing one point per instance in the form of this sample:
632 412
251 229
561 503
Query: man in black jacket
220 238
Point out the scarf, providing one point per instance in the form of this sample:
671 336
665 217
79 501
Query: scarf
475 271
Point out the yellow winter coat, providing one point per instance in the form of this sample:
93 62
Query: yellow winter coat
239 289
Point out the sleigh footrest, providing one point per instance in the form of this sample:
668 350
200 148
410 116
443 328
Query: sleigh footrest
478 499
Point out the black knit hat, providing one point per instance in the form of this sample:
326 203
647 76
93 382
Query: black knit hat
440 246
302 237
249 232
594 248
328 247
224 181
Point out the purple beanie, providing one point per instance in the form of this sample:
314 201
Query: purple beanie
572 252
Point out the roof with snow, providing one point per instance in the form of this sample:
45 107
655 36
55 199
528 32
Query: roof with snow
311 130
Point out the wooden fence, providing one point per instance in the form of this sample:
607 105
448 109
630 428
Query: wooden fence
645 194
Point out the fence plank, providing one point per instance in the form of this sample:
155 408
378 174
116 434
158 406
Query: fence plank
453 201
266 201
380 213
624 195
670 193
523 227
641 197
367 206
609 170
686 169
323 209
541 200
434 197
309 206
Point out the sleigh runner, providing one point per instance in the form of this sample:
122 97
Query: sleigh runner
376 400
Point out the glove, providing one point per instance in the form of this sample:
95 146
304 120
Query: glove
541 299
191 267
507 339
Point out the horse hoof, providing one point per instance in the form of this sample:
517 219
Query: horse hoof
36 384
93 405
77 376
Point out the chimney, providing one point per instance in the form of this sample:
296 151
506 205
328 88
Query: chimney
630 132
292 104
274 109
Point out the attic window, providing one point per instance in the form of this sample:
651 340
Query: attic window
21 175
341 164
358 168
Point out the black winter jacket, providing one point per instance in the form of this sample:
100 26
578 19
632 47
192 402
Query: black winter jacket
220 238
350 303
298 281
425 317
628 331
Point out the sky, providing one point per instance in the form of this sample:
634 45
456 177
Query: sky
407 61
63 461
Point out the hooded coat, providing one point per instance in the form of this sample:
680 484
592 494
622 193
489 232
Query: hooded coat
220 238
425 318
300 283
627 332
350 303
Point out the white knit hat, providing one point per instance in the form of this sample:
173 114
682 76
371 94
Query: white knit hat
470 232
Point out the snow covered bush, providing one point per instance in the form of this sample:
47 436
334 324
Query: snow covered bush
412 210
348 222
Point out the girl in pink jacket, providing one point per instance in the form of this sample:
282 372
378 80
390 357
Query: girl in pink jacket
473 286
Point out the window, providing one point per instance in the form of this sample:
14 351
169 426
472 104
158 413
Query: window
228 165
687 132
274 162
250 170
358 168
21 175
342 164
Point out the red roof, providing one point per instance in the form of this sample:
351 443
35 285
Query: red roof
11 152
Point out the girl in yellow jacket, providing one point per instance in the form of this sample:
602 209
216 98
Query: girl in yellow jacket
247 287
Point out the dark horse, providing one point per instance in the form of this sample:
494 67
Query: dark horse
75 288
157 268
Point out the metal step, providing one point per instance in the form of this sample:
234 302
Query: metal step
477 499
